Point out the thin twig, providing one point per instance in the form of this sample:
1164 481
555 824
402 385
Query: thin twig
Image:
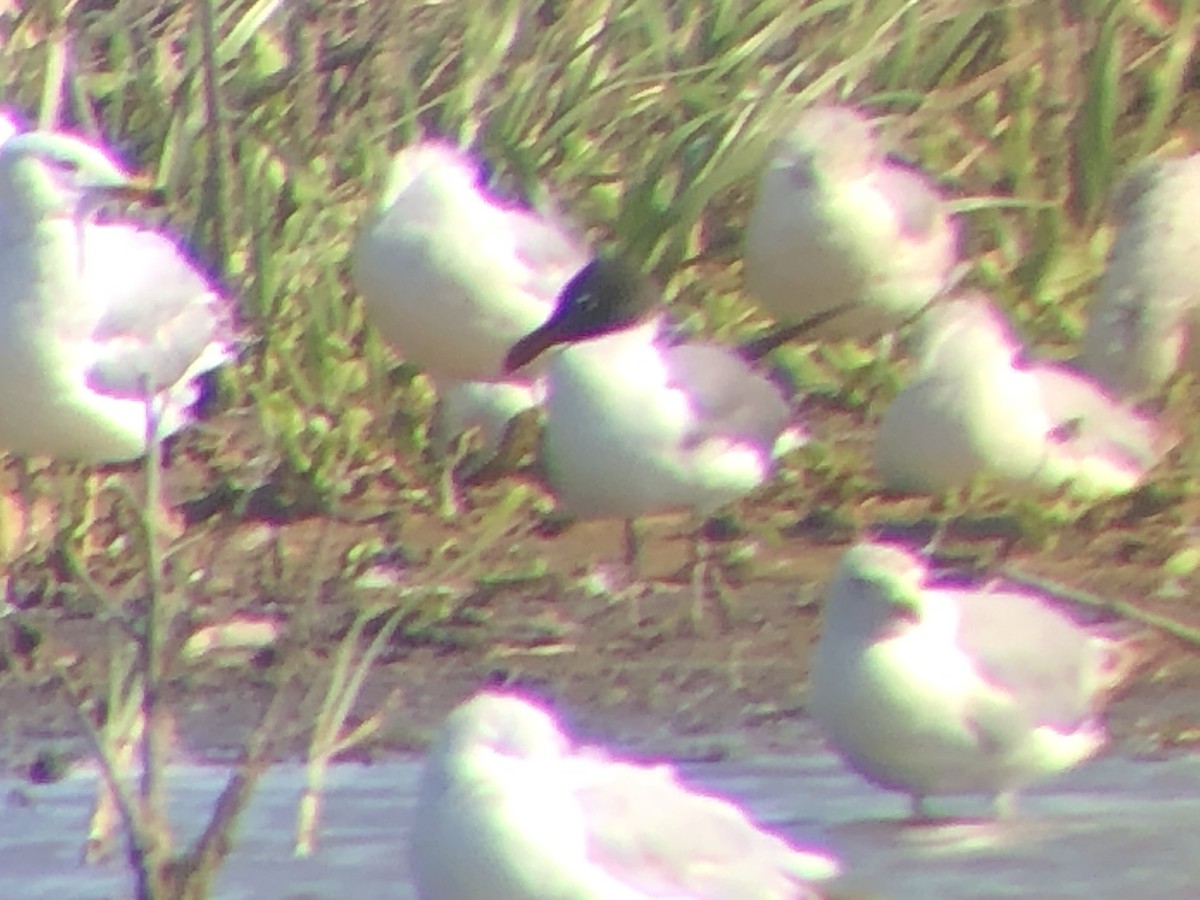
127 803
153 647
1123 608
211 848
756 349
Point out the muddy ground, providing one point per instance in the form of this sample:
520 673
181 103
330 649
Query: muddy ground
544 606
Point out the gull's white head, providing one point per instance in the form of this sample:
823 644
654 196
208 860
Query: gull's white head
47 175
875 588
833 142
498 724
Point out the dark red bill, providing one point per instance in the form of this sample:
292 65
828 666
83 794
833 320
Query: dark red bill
530 347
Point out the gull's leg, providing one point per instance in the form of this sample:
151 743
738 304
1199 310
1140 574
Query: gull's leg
1005 805
706 573
919 808
633 549
700 569
941 509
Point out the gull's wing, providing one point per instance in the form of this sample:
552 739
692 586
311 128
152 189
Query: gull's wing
918 205
151 314
648 831
727 396
1096 423
1046 663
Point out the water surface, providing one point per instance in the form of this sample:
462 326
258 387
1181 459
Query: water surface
1115 827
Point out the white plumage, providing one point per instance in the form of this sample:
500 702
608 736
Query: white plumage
933 687
837 225
92 311
508 809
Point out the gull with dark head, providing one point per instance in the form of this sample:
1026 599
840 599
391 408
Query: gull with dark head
932 686
508 809
636 425
94 313
839 227
452 274
1141 324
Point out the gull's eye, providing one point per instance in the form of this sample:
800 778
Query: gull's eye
64 164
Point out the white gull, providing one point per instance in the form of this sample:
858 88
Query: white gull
933 686
837 225
975 406
508 809
453 274
93 312
637 425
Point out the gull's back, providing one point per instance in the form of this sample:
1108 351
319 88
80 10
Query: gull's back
636 426
650 832
1048 663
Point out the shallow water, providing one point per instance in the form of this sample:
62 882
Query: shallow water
1114 827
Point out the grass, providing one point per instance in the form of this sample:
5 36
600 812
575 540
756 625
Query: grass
271 127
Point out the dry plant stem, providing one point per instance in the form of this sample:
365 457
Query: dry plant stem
196 869
778 335
328 736
126 803
302 623
153 858
122 734
1120 607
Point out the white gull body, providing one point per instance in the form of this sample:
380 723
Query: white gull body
1142 320
932 688
91 312
508 809
637 426
837 224
450 274
975 407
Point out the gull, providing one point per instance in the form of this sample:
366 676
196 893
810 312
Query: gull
976 406
1141 321
838 227
8 125
638 426
452 274
934 687
96 316
508 809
